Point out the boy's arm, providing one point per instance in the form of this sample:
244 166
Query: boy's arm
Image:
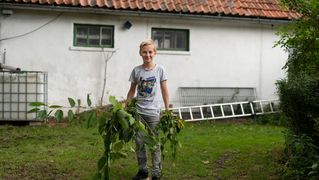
165 94
131 92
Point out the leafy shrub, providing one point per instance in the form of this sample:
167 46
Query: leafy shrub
301 157
314 170
299 93
277 119
299 101
299 98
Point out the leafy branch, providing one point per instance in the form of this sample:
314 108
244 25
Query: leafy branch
117 125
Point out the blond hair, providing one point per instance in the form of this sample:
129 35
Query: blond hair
146 43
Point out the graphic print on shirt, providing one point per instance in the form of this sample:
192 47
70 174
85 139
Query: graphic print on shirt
146 87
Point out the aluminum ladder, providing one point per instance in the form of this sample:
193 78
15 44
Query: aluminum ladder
227 110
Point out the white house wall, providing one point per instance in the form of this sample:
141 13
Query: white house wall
222 54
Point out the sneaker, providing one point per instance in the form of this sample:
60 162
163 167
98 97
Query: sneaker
141 175
155 178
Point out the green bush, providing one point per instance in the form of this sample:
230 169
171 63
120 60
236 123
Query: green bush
299 101
299 93
301 157
277 119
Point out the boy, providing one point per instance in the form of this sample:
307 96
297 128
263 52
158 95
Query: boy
151 83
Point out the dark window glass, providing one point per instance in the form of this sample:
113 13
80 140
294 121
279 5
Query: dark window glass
93 35
171 39
107 35
81 35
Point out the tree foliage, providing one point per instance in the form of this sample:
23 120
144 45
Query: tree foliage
301 38
299 92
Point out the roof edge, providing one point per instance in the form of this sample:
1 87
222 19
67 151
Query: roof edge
216 17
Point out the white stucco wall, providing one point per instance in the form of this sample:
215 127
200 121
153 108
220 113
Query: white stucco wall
222 54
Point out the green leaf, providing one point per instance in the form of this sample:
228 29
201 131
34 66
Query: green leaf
88 100
118 146
102 122
37 104
70 115
107 117
90 119
87 116
121 117
55 106
58 114
131 119
101 163
113 100
115 103
34 110
171 130
48 114
71 102
42 114
127 135
139 125
118 155
150 141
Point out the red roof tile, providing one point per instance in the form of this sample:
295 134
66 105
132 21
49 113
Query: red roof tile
245 8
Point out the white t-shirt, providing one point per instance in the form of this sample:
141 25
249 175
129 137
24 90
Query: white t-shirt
149 95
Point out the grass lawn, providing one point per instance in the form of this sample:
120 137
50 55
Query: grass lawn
210 151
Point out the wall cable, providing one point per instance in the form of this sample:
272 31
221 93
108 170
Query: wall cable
36 29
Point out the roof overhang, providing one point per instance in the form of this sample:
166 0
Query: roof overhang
140 13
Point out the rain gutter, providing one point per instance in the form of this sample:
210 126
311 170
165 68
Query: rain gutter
95 10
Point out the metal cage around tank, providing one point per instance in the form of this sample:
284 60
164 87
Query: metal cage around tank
17 90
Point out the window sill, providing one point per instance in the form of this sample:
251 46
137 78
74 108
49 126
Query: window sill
173 52
92 49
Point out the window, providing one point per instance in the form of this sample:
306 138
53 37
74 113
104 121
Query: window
171 39
93 35
192 96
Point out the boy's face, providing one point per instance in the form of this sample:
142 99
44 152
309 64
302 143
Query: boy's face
147 52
